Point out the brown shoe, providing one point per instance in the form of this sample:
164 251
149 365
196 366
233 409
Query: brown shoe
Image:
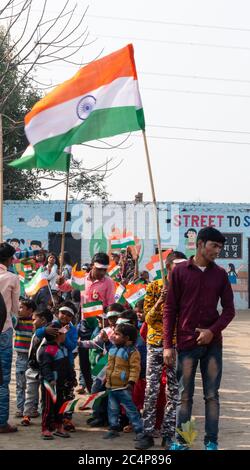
8 428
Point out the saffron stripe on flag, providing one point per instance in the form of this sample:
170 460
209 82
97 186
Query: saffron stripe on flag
101 100
92 309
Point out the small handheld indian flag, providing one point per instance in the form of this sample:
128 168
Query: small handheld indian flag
100 369
51 389
92 309
113 270
119 294
36 283
79 404
101 100
154 265
122 242
134 293
78 280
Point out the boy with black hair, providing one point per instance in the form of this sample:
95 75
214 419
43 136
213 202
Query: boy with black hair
56 372
122 373
195 288
98 285
153 308
23 326
130 317
66 313
39 319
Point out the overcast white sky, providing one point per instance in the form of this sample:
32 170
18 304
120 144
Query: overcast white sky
193 63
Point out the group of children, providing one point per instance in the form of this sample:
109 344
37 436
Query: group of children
129 342
45 345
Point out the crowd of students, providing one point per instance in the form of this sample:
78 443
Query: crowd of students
147 392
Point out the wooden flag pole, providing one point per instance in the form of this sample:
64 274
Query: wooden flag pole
155 207
64 222
1 180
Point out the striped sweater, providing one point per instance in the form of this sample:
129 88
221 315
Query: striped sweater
24 331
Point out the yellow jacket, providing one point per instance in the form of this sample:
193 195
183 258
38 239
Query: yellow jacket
124 365
154 317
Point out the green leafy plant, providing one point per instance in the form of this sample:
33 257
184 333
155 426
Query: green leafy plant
188 432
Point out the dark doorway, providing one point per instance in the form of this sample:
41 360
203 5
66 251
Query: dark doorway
72 245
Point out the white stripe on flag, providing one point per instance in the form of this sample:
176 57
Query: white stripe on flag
119 93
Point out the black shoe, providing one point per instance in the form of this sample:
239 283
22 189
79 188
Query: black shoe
111 434
144 441
97 422
89 420
166 442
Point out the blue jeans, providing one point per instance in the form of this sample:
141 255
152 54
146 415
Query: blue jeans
21 367
124 398
210 358
6 360
101 410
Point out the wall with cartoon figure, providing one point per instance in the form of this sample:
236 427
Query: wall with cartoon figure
233 220
33 223
190 243
27 224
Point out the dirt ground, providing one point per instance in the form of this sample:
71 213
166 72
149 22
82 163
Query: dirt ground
234 399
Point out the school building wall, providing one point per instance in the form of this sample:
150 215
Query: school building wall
90 227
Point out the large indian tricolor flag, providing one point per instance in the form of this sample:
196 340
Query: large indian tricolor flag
30 160
101 100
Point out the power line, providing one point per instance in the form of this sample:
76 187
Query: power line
194 140
197 77
173 90
172 23
198 129
178 43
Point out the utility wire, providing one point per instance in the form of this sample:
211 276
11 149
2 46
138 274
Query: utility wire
196 77
172 23
194 140
177 43
198 129
193 92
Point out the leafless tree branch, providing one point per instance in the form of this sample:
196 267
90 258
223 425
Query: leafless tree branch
42 40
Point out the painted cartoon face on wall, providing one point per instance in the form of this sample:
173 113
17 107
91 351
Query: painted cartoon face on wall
190 243
35 245
15 242
191 234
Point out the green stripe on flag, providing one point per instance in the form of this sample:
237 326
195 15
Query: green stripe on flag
100 365
29 162
92 304
100 123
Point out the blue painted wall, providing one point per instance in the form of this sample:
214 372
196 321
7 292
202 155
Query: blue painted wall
179 222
